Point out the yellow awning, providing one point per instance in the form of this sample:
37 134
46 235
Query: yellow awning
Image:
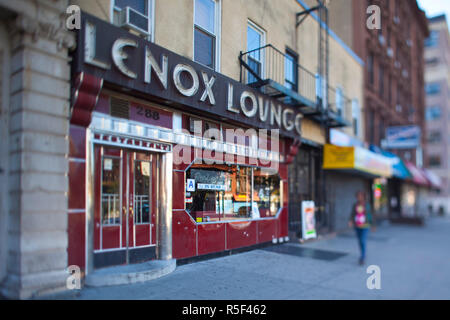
356 158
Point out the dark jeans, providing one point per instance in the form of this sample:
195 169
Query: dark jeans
362 240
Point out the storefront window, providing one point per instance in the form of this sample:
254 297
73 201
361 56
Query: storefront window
267 192
225 193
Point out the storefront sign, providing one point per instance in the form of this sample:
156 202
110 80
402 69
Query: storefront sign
339 138
338 157
190 185
130 63
402 137
356 158
371 162
308 220
107 164
208 186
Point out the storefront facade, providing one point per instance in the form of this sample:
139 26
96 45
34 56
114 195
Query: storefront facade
349 170
160 146
110 136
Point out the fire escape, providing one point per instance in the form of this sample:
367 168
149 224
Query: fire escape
280 76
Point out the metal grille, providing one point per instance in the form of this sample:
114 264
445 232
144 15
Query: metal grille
120 108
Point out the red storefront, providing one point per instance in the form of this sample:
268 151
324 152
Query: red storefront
169 159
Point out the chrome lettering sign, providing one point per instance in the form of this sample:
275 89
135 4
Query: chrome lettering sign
132 63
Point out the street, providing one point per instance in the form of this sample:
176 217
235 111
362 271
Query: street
414 264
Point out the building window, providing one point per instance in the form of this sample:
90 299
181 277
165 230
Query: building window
433 113
431 62
381 130
434 137
381 82
371 126
390 89
290 70
434 161
255 59
339 101
432 88
136 15
355 116
231 193
370 65
432 40
206 32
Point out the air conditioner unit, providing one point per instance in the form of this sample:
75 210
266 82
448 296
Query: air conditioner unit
390 52
397 20
405 73
134 20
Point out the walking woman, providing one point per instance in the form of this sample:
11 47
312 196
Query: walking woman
361 219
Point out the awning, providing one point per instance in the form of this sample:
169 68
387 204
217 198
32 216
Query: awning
399 169
356 159
418 177
435 180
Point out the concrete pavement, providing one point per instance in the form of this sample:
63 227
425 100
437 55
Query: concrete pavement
414 262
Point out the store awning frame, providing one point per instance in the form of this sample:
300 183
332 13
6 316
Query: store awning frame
399 169
418 177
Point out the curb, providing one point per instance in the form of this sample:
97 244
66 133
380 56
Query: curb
130 274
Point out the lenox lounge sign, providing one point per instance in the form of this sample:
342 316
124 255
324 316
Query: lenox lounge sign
127 62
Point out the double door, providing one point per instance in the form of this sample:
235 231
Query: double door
125 205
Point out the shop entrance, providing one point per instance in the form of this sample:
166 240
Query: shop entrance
125 185
306 184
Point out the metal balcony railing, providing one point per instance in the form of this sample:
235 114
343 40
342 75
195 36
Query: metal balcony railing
279 75
339 106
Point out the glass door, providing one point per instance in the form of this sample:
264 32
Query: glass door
125 204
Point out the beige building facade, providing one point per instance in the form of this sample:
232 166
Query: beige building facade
35 90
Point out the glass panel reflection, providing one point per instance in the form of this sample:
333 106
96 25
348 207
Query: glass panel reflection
111 191
224 193
142 176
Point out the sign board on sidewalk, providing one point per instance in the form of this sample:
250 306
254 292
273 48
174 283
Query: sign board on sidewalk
308 220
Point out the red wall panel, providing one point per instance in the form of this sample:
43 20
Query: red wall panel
77 142
283 223
76 239
267 230
211 238
77 185
241 234
178 190
184 235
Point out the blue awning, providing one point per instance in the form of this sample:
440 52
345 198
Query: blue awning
399 169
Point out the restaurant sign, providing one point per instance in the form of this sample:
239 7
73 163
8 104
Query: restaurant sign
132 64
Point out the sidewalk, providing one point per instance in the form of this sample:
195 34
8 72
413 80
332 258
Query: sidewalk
414 264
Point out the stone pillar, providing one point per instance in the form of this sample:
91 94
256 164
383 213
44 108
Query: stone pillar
38 148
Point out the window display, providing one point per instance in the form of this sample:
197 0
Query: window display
231 192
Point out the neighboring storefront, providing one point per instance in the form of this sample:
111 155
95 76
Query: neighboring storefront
306 184
433 207
387 192
413 193
150 127
349 170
